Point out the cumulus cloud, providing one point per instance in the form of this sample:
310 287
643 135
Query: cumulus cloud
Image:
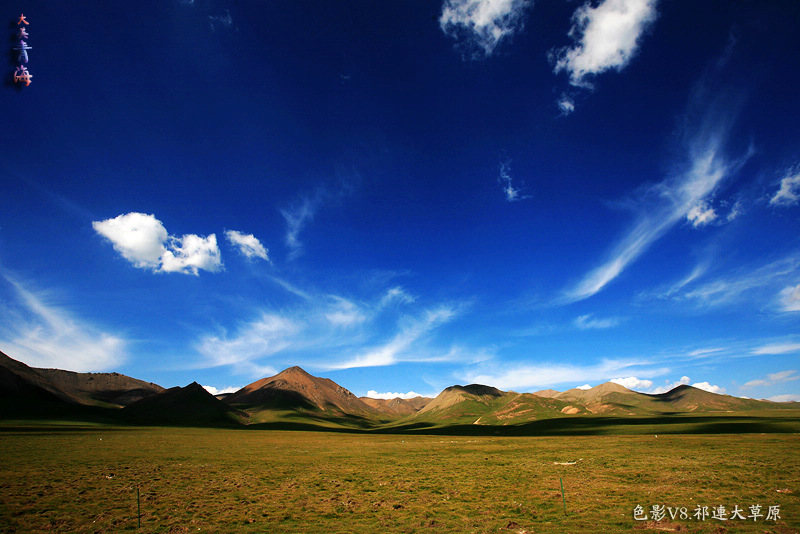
248 244
389 396
774 378
584 387
588 322
701 214
142 240
480 25
633 383
788 193
215 391
41 334
191 253
709 387
706 386
663 389
605 37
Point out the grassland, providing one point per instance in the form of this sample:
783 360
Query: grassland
83 478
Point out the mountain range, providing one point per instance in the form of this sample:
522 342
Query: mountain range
294 395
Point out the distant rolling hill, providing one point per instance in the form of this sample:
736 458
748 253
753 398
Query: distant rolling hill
295 390
296 399
483 405
92 388
397 407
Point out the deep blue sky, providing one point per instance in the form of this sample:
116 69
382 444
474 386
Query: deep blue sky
402 196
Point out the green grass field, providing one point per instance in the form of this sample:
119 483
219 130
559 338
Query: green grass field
83 478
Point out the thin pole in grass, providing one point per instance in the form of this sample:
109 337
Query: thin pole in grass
563 499
138 508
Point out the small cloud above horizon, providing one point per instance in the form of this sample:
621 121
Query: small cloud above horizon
215 391
372 394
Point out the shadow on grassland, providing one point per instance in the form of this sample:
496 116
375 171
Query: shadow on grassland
590 426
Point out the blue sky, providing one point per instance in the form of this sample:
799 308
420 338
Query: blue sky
403 196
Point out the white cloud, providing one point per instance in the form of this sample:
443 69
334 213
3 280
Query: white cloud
790 298
789 192
248 245
785 398
725 290
566 105
584 387
215 391
138 237
396 349
529 376
668 387
662 206
512 193
777 348
396 294
142 240
389 396
632 382
606 36
221 21
190 253
705 352
43 335
297 217
345 313
262 337
701 214
480 25
587 322
709 387
774 378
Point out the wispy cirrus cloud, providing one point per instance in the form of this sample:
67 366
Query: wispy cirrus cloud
325 331
512 193
777 348
788 193
297 217
480 25
589 322
397 349
773 378
761 280
143 241
606 36
662 206
42 334
248 245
